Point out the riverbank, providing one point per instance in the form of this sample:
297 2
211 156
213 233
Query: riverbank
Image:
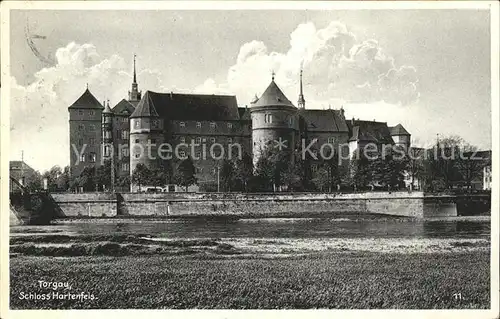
322 280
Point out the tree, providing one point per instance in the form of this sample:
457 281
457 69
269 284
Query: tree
321 179
441 163
63 179
141 175
87 179
243 171
103 174
360 174
123 181
227 170
470 164
52 175
185 173
294 177
33 181
263 174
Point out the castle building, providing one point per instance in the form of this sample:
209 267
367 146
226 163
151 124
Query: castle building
210 121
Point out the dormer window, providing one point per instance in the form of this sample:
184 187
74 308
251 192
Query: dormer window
137 123
212 125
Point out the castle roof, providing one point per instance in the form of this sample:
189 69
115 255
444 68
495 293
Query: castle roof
192 107
145 108
324 121
244 114
272 96
123 107
370 131
86 101
398 130
106 108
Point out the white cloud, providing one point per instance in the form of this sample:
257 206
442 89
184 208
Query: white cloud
39 111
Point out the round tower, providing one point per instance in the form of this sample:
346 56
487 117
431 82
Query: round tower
274 122
146 134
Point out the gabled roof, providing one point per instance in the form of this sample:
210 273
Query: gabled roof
123 107
398 130
86 101
370 131
324 121
145 108
191 107
272 96
244 114
13 165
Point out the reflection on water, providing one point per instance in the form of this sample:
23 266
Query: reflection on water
277 228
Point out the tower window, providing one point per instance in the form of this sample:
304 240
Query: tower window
125 151
81 127
229 139
91 113
137 140
212 139
124 119
229 125
198 124
182 139
212 125
268 118
82 158
93 157
80 112
182 154
290 121
124 167
198 140
182 124
137 124
92 141
331 140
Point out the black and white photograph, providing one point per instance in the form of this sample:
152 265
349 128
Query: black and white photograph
249 156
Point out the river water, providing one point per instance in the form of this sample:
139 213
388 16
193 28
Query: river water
301 228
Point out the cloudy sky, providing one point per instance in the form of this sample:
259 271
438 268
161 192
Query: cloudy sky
426 69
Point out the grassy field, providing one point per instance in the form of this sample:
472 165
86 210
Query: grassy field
323 280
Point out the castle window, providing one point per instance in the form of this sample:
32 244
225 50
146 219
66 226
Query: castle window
137 123
124 119
137 155
82 158
229 125
91 113
182 154
268 118
182 139
106 150
198 124
124 167
198 155
152 141
198 140
80 112
212 125
137 140
80 142
93 157
125 135
331 140
182 124
92 141
314 168
290 121
81 127
125 151
229 139
212 139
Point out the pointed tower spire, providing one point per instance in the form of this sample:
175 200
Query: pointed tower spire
134 95
135 78
272 75
301 102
